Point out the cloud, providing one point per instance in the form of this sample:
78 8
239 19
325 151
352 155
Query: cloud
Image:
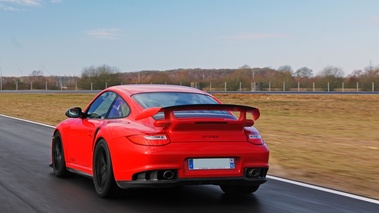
9 8
18 5
255 36
22 2
112 33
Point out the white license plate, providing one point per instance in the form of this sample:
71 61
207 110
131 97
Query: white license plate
211 163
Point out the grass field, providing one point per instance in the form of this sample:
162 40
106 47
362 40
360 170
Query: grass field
327 140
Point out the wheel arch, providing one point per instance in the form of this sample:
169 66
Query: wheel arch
62 142
98 139
102 133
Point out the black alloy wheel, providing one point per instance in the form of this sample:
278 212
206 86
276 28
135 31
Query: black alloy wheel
58 162
103 178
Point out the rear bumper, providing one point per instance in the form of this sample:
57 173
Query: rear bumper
197 181
136 165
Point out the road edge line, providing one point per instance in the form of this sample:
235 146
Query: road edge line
320 188
27 121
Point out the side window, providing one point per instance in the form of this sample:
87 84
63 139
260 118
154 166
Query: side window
119 109
100 107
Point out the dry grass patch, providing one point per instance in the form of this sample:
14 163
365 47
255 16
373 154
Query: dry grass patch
44 108
329 140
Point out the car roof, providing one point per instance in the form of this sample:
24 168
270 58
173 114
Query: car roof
131 89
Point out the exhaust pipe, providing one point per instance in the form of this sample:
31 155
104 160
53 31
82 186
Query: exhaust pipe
168 175
253 173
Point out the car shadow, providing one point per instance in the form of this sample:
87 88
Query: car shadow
199 198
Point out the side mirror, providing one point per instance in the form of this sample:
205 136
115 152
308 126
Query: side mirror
75 112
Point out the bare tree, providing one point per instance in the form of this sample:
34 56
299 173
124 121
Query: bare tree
331 71
285 74
99 77
331 78
286 69
303 72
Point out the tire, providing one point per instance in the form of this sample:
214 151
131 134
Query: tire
58 160
103 178
239 189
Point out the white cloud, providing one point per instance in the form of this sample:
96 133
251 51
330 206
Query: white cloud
254 36
18 5
23 2
9 8
113 33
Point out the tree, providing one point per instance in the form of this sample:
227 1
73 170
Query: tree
286 69
332 76
331 71
37 73
285 74
99 77
303 72
36 80
364 78
245 67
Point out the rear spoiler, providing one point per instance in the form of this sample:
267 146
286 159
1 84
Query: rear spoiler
169 112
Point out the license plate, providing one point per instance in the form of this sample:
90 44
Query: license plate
211 163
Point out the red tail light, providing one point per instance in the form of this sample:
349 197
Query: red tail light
150 140
254 137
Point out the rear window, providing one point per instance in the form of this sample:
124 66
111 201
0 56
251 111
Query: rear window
165 99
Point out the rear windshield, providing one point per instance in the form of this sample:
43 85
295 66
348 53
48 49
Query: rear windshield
165 99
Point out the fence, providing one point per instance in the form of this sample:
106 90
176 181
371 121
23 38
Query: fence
208 86
268 87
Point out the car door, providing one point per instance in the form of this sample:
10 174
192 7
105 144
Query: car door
84 130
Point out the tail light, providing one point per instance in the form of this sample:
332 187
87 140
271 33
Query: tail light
254 137
150 140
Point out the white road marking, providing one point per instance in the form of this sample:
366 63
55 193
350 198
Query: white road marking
27 121
353 196
357 197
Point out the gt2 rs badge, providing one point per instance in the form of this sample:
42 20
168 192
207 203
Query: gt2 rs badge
209 136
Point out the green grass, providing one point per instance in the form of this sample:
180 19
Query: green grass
328 140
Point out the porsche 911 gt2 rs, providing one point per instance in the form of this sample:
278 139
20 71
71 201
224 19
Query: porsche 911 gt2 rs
134 136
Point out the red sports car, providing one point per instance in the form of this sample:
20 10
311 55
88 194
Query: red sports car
133 136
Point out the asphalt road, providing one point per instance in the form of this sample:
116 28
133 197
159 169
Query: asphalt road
27 184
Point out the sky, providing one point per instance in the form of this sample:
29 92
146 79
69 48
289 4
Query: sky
63 37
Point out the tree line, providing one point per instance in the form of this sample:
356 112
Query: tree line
244 78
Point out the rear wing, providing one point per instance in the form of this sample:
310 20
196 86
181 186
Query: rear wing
169 116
